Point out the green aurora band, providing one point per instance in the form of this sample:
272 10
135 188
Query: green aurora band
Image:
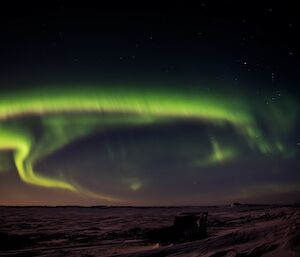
60 111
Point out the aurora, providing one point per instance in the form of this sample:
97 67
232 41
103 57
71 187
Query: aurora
149 107
67 114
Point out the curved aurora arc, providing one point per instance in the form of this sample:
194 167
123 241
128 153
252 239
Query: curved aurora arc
113 107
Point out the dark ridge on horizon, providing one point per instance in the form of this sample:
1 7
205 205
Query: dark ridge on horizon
108 206
151 207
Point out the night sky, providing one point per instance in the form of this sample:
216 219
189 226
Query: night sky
168 105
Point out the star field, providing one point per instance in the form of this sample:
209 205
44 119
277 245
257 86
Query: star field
149 106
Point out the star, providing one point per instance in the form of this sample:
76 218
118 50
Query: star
270 10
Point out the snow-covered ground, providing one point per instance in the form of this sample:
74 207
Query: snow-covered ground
87 232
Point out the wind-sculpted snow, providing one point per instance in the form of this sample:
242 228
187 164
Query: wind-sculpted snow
103 231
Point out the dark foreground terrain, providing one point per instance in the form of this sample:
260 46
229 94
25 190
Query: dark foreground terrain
72 231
